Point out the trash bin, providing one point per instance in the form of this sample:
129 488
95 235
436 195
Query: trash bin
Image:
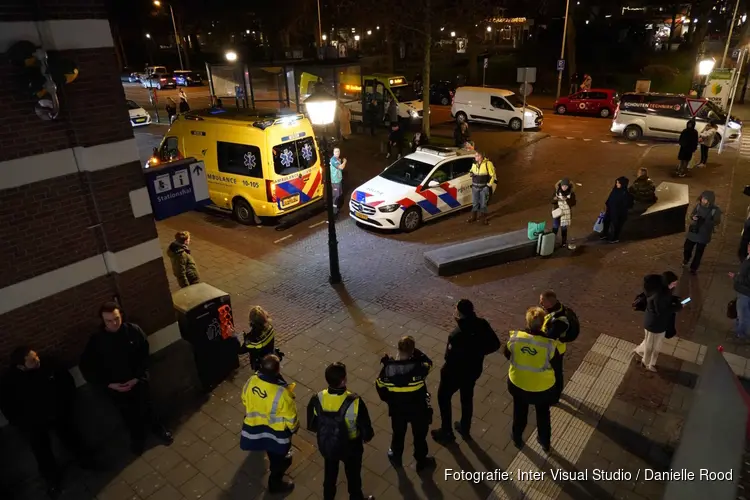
204 314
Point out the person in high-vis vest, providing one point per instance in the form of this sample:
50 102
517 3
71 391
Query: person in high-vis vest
531 378
556 325
483 178
402 385
328 413
270 420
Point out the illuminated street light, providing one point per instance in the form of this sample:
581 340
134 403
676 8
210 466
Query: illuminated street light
706 66
442 29
148 35
157 3
325 38
489 28
231 56
453 33
369 32
356 38
247 31
587 21
377 27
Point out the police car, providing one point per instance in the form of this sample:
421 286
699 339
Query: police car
429 183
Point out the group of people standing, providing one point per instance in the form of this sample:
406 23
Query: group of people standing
689 142
173 108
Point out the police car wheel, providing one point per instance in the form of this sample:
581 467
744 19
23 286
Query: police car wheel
515 124
411 220
243 212
604 112
561 110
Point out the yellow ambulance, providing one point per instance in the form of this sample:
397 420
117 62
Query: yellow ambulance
257 164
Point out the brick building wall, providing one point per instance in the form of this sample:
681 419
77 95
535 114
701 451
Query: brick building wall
75 226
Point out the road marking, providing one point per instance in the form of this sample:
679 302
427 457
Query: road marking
284 238
604 142
318 224
641 145
593 384
618 142
570 138
586 140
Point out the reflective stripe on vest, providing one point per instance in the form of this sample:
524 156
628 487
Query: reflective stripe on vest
411 387
547 346
350 417
530 369
265 435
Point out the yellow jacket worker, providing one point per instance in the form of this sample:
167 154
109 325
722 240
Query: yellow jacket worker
531 378
482 179
270 420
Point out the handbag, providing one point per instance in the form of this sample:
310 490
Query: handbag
557 213
732 309
535 229
599 224
639 303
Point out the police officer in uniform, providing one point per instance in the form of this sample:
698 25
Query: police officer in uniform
556 327
259 341
358 426
270 420
482 178
531 378
401 384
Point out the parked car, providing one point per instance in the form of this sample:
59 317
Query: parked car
159 82
138 116
600 102
128 75
186 78
442 93
495 106
664 116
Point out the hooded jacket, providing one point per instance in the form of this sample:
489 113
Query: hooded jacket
643 191
619 201
468 344
702 229
741 279
570 193
688 142
183 264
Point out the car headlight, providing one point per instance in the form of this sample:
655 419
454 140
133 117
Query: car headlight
413 113
528 113
389 208
735 125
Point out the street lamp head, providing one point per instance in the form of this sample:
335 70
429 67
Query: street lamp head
369 32
356 38
324 38
706 66
453 33
321 106
489 28
157 3
148 35
247 32
231 56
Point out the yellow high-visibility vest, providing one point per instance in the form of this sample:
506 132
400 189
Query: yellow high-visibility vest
530 356
270 414
332 402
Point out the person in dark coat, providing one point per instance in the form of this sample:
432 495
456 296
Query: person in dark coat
372 114
688 145
616 210
116 360
38 398
741 282
395 140
171 110
402 386
744 240
184 106
260 340
183 263
703 221
468 344
661 307
461 134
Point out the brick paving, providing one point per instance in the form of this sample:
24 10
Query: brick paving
630 421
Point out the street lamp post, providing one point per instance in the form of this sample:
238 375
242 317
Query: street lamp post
322 110
705 67
176 35
562 48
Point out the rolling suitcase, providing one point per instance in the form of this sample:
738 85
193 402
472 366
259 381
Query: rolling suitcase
545 244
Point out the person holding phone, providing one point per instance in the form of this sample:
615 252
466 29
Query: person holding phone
658 319
337 178
741 281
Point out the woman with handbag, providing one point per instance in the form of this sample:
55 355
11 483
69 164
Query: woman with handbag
563 200
659 316
616 208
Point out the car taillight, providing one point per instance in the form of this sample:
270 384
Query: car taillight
617 112
271 191
163 79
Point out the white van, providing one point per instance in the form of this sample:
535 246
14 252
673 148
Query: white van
496 106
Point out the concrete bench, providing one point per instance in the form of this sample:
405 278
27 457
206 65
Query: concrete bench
666 216
478 254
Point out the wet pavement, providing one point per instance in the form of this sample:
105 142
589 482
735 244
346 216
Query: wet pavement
617 416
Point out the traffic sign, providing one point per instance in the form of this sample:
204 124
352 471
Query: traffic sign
525 89
561 65
486 62
526 75
695 105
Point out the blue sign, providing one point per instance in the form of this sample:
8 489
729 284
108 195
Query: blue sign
176 187
560 64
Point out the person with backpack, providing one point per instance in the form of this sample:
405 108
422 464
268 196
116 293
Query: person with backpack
468 344
531 378
703 221
270 420
401 385
342 424
560 324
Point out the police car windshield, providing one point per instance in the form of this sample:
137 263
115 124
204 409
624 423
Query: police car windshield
291 157
408 171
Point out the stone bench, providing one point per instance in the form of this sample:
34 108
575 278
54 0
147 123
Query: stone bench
478 254
666 216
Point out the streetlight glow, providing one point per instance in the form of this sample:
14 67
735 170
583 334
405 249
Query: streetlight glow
157 3
705 67
356 38
489 28
442 29
231 56
247 32
369 32
325 38
148 35
377 27
453 33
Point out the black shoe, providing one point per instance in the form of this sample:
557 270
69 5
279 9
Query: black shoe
443 436
164 435
464 433
517 441
545 446
285 486
394 460
426 463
